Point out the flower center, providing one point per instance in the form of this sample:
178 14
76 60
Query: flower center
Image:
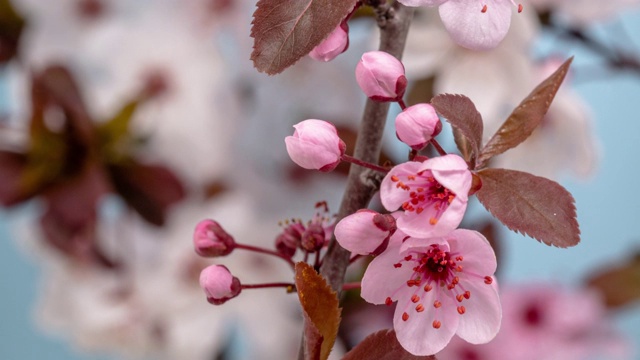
438 270
425 193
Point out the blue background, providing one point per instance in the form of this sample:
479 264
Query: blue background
608 211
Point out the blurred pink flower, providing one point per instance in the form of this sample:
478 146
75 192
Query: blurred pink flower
219 285
476 25
433 194
547 322
443 286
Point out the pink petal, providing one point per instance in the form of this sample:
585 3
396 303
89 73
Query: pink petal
429 3
418 225
481 321
417 334
452 172
382 279
392 197
479 256
358 233
471 28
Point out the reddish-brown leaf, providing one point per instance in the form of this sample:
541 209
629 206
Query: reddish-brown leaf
286 30
382 345
149 189
525 118
320 306
460 112
530 205
620 285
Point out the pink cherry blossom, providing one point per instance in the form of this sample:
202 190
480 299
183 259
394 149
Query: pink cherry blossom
476 25
443 286
219 285
211 240
417 124
433 194
364 231
546 321
334 45
315 145
381 76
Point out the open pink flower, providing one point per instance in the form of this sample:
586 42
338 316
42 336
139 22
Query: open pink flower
433 194
476 25
443 286
315 145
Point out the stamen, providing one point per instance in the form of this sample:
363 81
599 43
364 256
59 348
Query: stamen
388 301
427 288
420 308
415 298
520 8
488 280
394 178
467 294
437 304
405 316
436 324
461 310
460 297
484 9
433 221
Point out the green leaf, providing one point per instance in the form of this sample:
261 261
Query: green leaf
525 118
285 31
321 312
466 121
531 205
382 345
114 134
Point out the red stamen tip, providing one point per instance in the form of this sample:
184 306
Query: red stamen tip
405 316
436 324
484 10
461 310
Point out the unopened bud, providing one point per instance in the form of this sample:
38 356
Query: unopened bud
364 231
219 285
381 76
211 240
315 145
332 46
417 125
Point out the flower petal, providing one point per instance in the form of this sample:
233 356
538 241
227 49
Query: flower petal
417 334
481 321
479 256
474 29
392 197
382 279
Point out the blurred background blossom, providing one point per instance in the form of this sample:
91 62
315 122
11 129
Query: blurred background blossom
218 126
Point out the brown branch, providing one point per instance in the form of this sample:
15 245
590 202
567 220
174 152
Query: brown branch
394 25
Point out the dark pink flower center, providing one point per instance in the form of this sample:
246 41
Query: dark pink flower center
436 270
424 192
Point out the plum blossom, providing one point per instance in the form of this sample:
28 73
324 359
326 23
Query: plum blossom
545 321
443 286
334 45
211 240
417 124
219 285
476 25
315 145
364 231
433 194
381 76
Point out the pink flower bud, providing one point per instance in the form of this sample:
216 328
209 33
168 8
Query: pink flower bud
365 231
417 125
219 285
315 145
334 45
381 76
210 239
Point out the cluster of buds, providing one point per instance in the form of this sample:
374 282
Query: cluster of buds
212 241
441 276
